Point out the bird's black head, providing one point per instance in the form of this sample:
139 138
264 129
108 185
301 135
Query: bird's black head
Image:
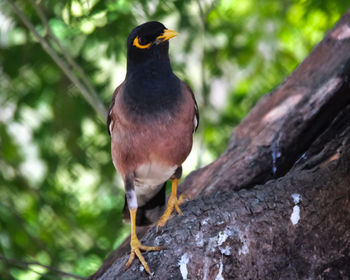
147 41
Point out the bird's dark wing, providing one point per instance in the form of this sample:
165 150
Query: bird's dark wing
196 112
109 117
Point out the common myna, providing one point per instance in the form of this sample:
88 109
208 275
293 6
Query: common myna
151 120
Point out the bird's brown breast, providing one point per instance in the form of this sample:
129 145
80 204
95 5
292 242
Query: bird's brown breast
161 141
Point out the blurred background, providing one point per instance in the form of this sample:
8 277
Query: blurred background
60 61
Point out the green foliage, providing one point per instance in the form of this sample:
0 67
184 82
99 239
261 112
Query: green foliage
61 200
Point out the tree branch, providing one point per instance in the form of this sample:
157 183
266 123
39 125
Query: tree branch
26 264
90 97
275 204
64 51
282 125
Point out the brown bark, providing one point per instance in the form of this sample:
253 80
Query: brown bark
238 223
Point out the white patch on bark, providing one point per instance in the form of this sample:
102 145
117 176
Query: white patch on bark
210 247
222 236
295 217
217 243
199 239
225 251
219 275
245 247
324 93
296 198
341 33
303 156
205 221
276 154
282 109
214 243
183 266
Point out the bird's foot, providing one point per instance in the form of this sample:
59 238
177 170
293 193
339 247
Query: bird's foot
136 248
182 198
173 202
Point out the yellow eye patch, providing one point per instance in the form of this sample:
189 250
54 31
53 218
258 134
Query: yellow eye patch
138 45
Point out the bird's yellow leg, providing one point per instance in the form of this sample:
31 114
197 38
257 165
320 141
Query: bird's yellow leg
173 202
136 245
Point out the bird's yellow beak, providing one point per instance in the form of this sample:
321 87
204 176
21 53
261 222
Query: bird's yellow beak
167 34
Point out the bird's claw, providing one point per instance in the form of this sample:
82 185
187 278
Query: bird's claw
173 202
136 248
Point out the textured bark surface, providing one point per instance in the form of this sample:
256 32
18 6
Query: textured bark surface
276 203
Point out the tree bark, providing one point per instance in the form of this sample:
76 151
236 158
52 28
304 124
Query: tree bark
276 203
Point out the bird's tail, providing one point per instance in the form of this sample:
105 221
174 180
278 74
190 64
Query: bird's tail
150 212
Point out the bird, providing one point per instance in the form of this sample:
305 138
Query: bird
151 120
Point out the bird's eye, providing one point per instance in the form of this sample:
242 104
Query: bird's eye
141 43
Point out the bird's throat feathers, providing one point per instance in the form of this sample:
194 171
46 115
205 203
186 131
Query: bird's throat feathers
151 87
